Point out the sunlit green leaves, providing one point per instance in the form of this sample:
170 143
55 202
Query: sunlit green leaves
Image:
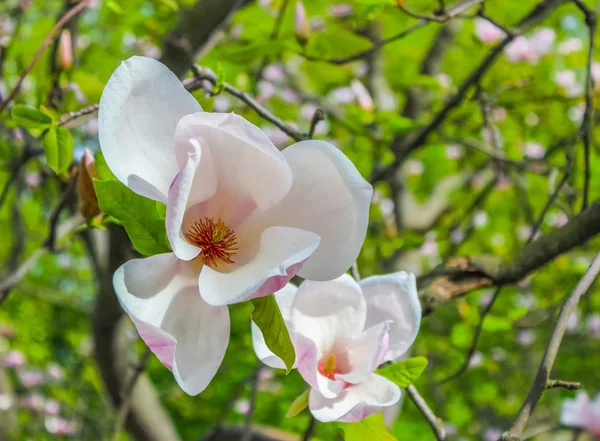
30 118
58 146
404 373
298 405
369 429
336 43
268 318
139 216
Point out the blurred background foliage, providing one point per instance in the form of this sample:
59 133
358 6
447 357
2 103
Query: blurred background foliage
476 186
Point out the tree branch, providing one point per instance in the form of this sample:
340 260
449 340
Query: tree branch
543 375
434 422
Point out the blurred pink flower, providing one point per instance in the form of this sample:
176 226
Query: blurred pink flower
33 402
14 359
542 41
429 248
342 95
519 50
457 235
453 151
6 402
445 80
593 325
32 179
534 150
565 78
582 413
480 218
573 322
222 104
499 114
52 407
301 24
29 379
59 426
362 95
55 372
414 167
487 32
341 10
242 406
492 435
476 360
570 45
274 73
525 338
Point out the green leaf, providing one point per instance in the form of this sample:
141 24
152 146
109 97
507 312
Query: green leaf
30 118
268 318
138 215
369 429
336 43
237 54
404 373
104 173
58 146
207 103
299 404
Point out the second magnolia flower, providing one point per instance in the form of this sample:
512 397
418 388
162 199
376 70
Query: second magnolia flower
242 217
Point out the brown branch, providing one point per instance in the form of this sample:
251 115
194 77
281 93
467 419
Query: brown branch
569 385
542 377
47 41
402 148
72 119
434 422
461 275
203 74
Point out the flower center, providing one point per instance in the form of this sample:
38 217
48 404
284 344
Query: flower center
328 368
217 240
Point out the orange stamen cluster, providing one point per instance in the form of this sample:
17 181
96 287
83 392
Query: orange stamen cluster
328 367
217 240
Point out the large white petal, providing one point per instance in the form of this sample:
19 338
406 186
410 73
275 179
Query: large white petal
139 110
394 297
284 299
375 392
329 197
326 312
281 253
247 164
195 183
187 335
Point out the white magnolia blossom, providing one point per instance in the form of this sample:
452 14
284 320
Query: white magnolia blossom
582 413
342 331
242 217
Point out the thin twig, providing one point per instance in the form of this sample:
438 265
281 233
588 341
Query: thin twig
71 119
317 117
543 374
127 394
253 393
586 124
570 385
202 74
47 41
434 422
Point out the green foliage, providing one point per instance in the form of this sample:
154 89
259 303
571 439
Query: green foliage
58 146
268 318
139 216
298 405
405 372
30 118
370 429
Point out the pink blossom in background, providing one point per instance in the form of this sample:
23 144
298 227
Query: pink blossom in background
274 73
342 95
59 426
266 91
534 150
498 354
242 406
308 110
453 151
487 32
527 301
492 434
542 41
566 78
302 25
499 114
445 80
520 50
341 10
222 104
414 167
429 248
576 113
525 338
342 331
593 325
476 360
387 207
6 402
266 374
457 236
524 231
573 322
503 183
34 402
570 45
14 359
29 379
289 96
480 218
33 179
52 407
363 97
582 412
478 181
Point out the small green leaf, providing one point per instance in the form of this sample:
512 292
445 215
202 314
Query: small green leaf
161 209
207 103
404 373
369 429
114 6
336 42
244 54
30 118
138 215
104 173
58 146
268 318
299 404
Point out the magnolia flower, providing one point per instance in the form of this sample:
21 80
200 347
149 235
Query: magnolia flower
488 32
582 412
342 331
242 217
301 24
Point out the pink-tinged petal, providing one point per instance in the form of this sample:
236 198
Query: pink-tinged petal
187 335
247 164
573 410
195 183
330 198
139 110
365 353
394 297
281 253
326 311
369 396
284 299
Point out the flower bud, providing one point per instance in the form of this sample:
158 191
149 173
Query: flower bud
301 24
64 53
87 201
